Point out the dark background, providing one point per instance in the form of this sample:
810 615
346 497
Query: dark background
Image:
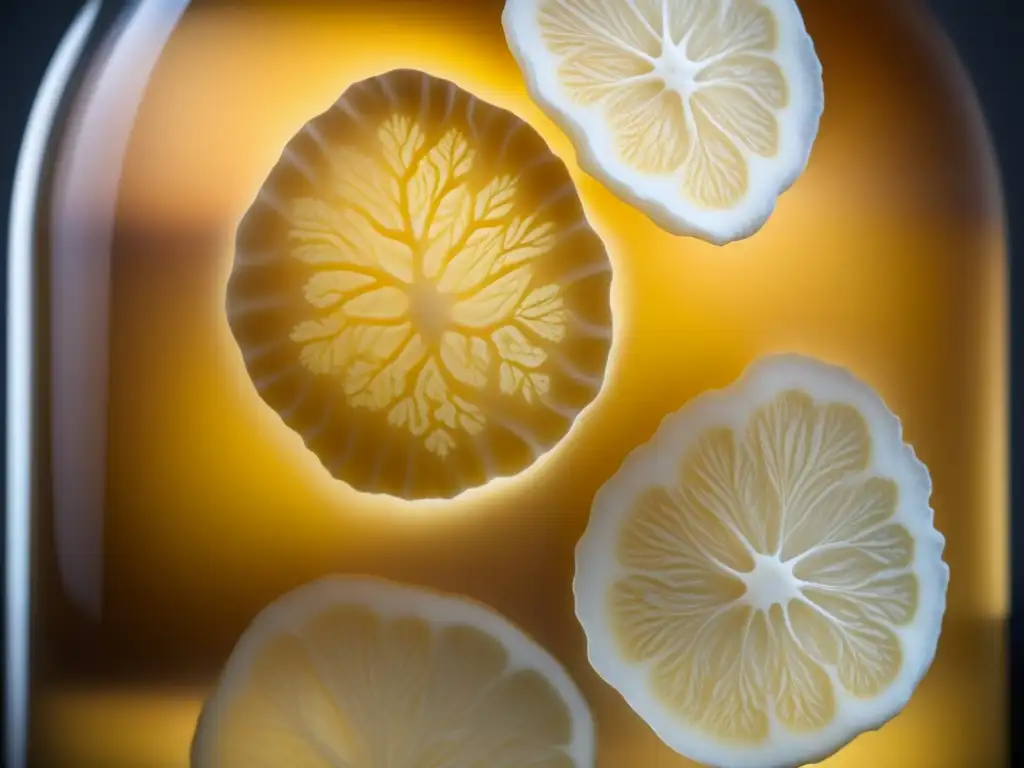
989 35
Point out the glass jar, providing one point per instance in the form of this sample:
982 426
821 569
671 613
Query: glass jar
161 503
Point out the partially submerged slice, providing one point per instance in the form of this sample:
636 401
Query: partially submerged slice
417 292
698 112
762 581
362 673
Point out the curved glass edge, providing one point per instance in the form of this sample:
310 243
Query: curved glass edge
20 400
88 175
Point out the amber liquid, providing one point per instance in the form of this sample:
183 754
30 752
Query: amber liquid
887 256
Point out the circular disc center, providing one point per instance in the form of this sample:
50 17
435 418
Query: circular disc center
429 310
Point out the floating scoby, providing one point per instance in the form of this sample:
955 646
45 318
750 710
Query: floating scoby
700 113
762 581
417 292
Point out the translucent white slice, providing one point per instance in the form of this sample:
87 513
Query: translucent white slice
762 581
698 112
352 672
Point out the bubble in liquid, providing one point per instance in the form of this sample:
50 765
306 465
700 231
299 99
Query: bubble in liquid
417 292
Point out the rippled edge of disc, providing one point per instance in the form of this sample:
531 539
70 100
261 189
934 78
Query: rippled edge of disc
516 124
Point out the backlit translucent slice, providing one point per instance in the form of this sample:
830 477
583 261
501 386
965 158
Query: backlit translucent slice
762 581
417 292
698 112
361 673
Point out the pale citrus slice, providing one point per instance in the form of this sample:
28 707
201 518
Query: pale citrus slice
352 672
762 581
698 112
417 292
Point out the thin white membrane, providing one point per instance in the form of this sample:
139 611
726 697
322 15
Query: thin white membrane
699 113
802 414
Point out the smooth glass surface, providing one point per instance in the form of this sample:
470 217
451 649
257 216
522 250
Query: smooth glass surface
176 503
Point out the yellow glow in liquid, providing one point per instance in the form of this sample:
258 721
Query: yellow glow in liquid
887 257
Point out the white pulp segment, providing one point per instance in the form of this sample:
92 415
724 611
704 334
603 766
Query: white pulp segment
359 672
762 581
699 113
